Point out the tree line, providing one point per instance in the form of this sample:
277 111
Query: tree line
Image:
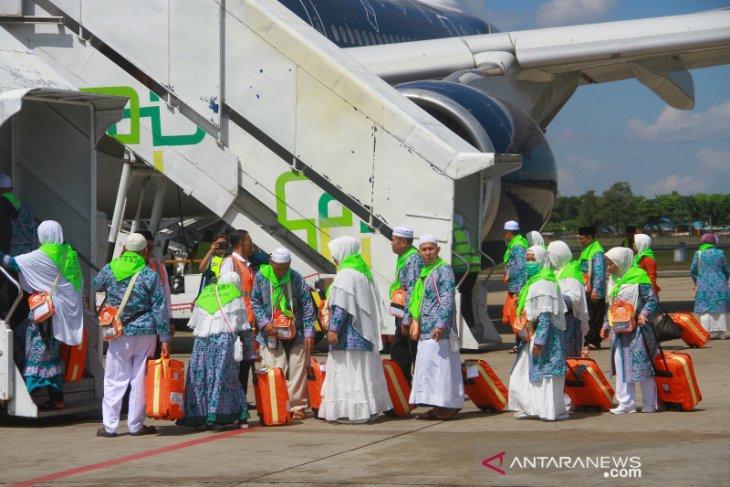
618 208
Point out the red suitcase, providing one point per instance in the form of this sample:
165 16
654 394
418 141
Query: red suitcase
692 331
586 385
398 388
272 397
315 379
74 359
675 381
483 386
165 387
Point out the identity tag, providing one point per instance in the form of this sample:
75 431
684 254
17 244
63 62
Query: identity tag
472 371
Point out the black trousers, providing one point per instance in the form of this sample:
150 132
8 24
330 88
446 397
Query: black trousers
403 351
597 314
245 367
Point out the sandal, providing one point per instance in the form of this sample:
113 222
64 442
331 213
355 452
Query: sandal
51 406
428 415
445 414
299 415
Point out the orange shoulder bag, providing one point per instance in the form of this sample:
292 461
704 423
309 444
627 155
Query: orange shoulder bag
621 317
110 317
283 324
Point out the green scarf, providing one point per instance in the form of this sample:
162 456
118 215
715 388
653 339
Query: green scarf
572 269
545 273
71 269
356 262
278 284
418 289
646 253
516 240
399 266
590 251
635 275
126 265
208 301
12 199
706 246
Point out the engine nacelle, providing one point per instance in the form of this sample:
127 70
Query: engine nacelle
493 125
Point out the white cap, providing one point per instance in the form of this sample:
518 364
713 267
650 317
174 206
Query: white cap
512 226
403 232
281 256
5 181
135 242
427 239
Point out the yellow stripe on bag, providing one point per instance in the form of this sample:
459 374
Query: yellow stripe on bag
156 396
608 395
75 373
491 385
693 328
398 391
685 366
272 397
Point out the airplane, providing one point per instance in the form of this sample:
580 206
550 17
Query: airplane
435 53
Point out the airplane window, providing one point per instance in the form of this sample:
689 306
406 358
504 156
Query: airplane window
380 39
334 34
350 36
343 35
357 36
372 38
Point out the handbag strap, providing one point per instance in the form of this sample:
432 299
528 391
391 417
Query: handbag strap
274 306
58 276
223 313
127 293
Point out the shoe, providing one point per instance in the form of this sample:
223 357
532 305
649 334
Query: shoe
445 414
145 430
51 406
243 424
428 415
103 433
594 347
623 410
648 410
563 416
299 415
521 415
514 349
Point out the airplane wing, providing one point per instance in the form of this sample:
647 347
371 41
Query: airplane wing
657 51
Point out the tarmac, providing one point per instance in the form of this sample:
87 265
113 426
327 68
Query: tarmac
669 448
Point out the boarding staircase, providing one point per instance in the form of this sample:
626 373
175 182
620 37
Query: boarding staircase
267 123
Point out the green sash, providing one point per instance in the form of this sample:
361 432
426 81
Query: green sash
356 262
635 275
13 200
646 253
126 265
590 251
516 240
278 284
418 289
399 266
64 255
572 269
208 301
706 246
545 273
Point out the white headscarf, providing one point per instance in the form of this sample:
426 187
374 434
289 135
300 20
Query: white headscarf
38 272
624 259
560 255
535 238
642 241
356 294
543 296
205 324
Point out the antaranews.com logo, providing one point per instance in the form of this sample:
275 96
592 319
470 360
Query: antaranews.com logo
613 467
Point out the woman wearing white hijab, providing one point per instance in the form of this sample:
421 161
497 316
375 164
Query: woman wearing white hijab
630 362
354 389
38 270
213 394
535 238
537 378
572 287
645 258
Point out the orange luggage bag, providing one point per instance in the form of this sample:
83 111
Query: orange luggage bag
692 331
272 397
165 386
675 381
482 386
586 385
74 359
398 388
315 379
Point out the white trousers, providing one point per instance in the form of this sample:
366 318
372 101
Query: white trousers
296 368
126 361
626 393
715 324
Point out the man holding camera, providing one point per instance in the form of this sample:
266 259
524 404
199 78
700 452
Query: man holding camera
210 266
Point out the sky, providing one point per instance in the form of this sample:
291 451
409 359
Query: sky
621 131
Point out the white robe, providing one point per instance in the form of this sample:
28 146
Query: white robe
544 398
437 379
